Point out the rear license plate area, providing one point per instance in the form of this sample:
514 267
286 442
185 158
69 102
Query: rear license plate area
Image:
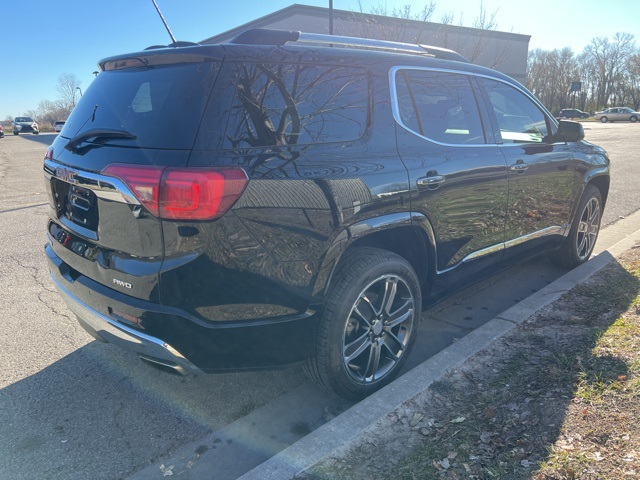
76 204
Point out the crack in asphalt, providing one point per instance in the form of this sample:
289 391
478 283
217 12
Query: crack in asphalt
24 208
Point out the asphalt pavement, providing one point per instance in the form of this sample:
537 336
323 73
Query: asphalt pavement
349 428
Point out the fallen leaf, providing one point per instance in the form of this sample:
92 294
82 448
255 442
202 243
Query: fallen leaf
489 412
166 471
458 420
416 419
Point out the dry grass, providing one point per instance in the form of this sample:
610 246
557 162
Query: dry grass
558 399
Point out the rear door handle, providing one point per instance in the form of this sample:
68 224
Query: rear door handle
519 166
431 181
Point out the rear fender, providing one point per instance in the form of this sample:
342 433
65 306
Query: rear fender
416 243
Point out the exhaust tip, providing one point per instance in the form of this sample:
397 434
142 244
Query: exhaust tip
164 366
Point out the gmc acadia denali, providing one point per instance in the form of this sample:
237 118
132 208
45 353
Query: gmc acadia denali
292 197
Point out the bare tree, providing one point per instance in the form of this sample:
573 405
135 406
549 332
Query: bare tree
607 61
549 77
633 78
50 112
385 24
68 83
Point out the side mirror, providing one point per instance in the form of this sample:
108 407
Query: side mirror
569 131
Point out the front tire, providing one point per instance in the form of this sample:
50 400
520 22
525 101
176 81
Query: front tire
578 246
633 119
368 325
603 119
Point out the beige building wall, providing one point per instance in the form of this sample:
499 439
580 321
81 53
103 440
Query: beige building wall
503 51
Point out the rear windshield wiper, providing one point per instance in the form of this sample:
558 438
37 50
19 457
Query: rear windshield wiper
97 133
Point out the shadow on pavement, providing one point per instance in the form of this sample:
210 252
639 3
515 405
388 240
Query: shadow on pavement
45 138
100 413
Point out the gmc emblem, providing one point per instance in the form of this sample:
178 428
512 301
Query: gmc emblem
65 174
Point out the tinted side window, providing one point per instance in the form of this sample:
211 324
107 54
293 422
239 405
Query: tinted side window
438 106
519 119
277 105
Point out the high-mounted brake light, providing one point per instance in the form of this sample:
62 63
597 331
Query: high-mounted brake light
182 194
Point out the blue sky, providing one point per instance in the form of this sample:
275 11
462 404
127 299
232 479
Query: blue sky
43 39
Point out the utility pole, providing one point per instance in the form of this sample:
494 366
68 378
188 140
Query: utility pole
330 17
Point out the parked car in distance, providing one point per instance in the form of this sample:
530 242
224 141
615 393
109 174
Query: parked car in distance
58 126
618 114
573 113
25 125
309 204
1 132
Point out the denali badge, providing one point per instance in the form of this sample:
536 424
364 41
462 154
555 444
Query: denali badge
120 283
66 174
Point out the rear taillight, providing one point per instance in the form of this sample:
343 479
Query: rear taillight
49 154
182 194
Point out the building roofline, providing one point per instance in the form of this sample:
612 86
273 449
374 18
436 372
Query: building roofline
322 12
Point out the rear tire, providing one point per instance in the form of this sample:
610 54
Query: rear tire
578 246
368 324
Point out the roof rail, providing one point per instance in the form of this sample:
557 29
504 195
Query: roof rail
265 36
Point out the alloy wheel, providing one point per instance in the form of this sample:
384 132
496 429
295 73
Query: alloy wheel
588 228
378 329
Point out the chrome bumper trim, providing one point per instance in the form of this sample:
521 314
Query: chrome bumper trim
147 347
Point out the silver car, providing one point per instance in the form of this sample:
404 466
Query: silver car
618 114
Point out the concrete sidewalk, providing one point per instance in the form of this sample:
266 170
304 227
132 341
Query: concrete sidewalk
346 429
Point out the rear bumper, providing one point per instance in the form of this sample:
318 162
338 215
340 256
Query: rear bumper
175 339
104 328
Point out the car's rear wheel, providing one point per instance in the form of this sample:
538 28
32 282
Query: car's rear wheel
578 246
368 324
603 119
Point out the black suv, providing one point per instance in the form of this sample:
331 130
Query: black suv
293 197
572 113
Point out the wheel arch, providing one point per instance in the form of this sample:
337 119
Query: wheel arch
601 182
405 234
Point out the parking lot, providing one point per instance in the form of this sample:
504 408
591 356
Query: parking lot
71 407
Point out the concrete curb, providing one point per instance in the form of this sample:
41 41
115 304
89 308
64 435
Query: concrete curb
345 429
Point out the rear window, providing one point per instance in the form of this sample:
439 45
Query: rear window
161 105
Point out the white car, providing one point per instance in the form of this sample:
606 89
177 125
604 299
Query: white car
618 114
25 125
58 126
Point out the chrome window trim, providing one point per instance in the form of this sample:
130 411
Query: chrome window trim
104 186
396 109
553 230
